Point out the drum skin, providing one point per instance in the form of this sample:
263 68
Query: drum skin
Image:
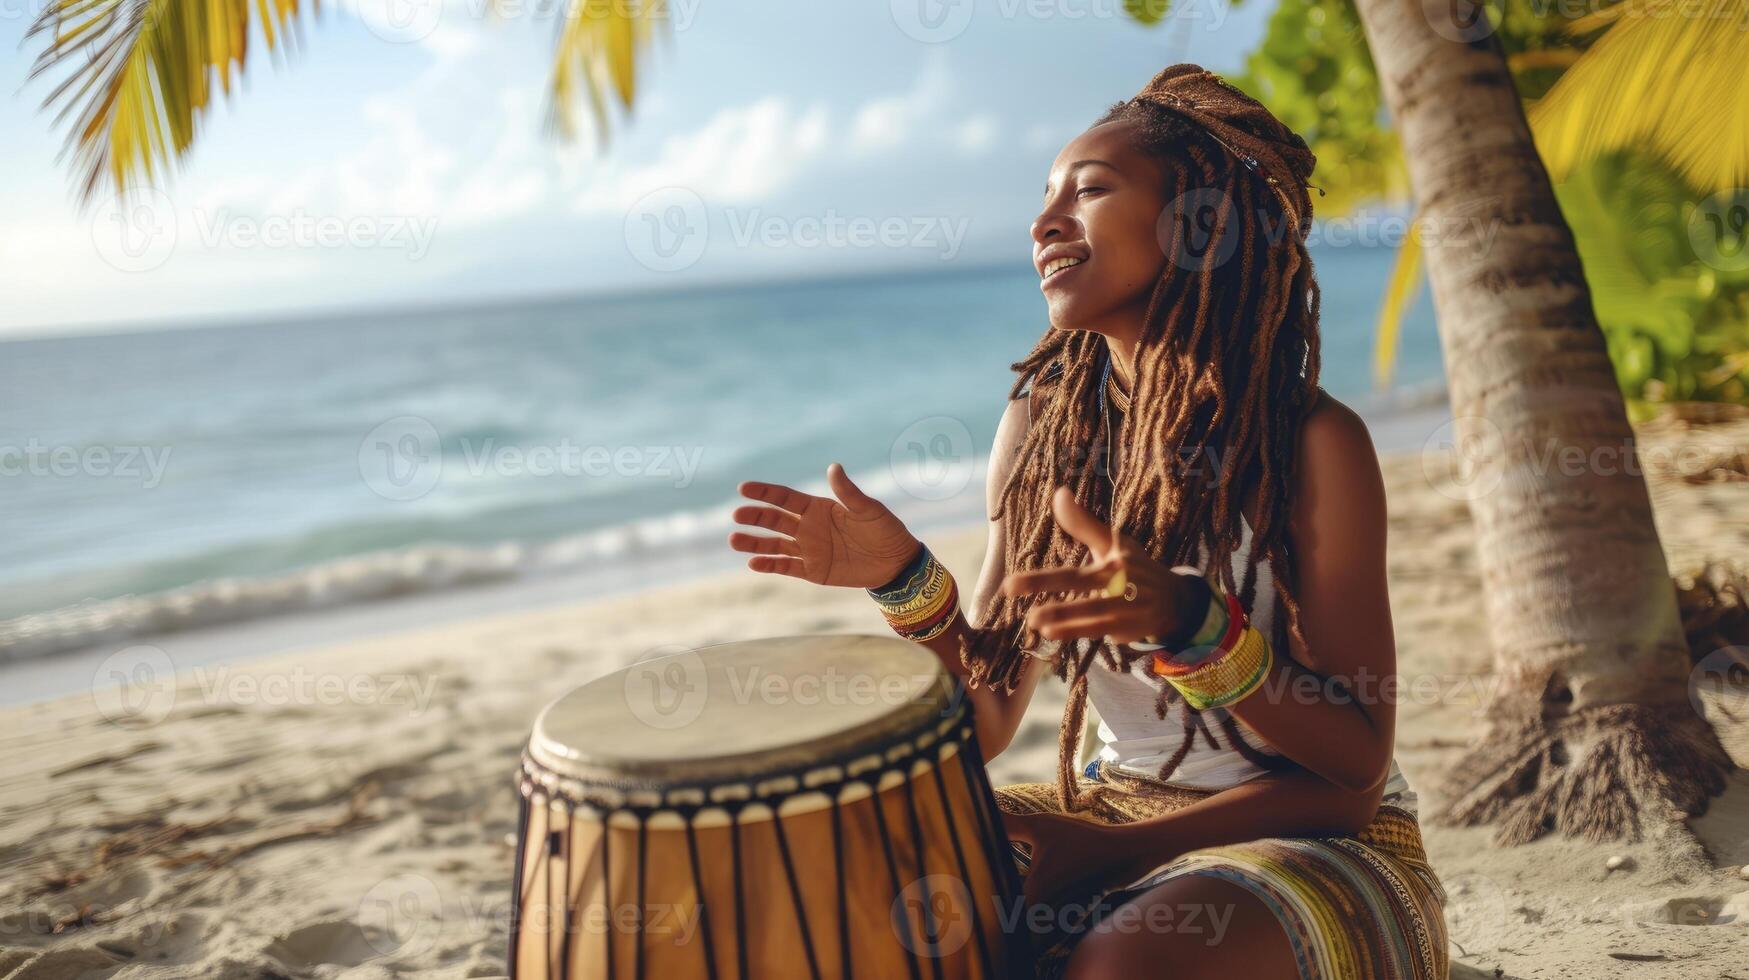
883 857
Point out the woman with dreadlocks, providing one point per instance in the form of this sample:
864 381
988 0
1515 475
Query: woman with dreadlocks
1189 532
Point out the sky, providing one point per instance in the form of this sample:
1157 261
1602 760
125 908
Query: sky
398 158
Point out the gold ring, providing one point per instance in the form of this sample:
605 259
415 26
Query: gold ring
1129 592
1118 584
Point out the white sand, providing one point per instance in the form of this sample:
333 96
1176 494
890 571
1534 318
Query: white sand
357 802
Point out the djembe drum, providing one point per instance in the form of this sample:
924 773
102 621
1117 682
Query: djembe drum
795 807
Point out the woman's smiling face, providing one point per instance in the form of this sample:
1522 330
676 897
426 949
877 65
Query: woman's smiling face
1094 242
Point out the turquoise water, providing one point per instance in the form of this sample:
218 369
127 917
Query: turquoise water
249 467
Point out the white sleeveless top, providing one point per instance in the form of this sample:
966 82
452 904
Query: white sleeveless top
1133 739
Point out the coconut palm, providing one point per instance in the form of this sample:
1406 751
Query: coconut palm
135 78
1602 83
1592 732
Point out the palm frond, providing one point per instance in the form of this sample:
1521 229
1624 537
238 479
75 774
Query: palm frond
1667 76
599 44
1400 292
139 76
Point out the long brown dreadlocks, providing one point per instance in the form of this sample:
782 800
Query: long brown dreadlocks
1226 368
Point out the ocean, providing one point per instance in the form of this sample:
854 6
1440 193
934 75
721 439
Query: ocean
169 480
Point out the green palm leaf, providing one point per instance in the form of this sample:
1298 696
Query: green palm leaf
598 48
1667 76
139 76
135 78
1400 290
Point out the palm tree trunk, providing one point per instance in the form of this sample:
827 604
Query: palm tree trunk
1592 729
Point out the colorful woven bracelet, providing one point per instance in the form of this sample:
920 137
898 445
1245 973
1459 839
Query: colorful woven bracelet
1203 650
1232 677
921 602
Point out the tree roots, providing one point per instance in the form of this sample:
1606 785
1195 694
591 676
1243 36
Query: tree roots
1608 773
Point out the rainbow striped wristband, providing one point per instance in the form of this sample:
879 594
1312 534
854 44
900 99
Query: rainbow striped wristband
1223 673
921 602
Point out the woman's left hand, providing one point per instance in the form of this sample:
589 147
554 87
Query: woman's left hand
1072 856
1150 598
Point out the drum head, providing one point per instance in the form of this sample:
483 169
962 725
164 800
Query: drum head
739 711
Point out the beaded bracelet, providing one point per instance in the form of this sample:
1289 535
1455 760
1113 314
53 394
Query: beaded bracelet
1204 648
921 602
1222 673
1230 678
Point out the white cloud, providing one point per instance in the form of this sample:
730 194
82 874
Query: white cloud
975 135
741 154
892 121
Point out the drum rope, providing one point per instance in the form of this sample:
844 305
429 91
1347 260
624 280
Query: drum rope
998 850
606 891
565 886
643 855
843 909
959 855
795 891
929 924
905 937
740 898
516 899
704 912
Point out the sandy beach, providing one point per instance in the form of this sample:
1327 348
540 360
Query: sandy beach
345 811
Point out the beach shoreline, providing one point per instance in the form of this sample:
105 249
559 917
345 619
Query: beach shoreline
50 655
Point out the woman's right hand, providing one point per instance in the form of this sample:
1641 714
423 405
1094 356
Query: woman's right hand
852 541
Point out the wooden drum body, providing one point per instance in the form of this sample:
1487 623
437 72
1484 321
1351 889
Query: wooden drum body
796 807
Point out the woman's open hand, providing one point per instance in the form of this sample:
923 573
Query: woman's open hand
1147 598
852 541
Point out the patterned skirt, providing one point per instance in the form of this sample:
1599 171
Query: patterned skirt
1367 906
